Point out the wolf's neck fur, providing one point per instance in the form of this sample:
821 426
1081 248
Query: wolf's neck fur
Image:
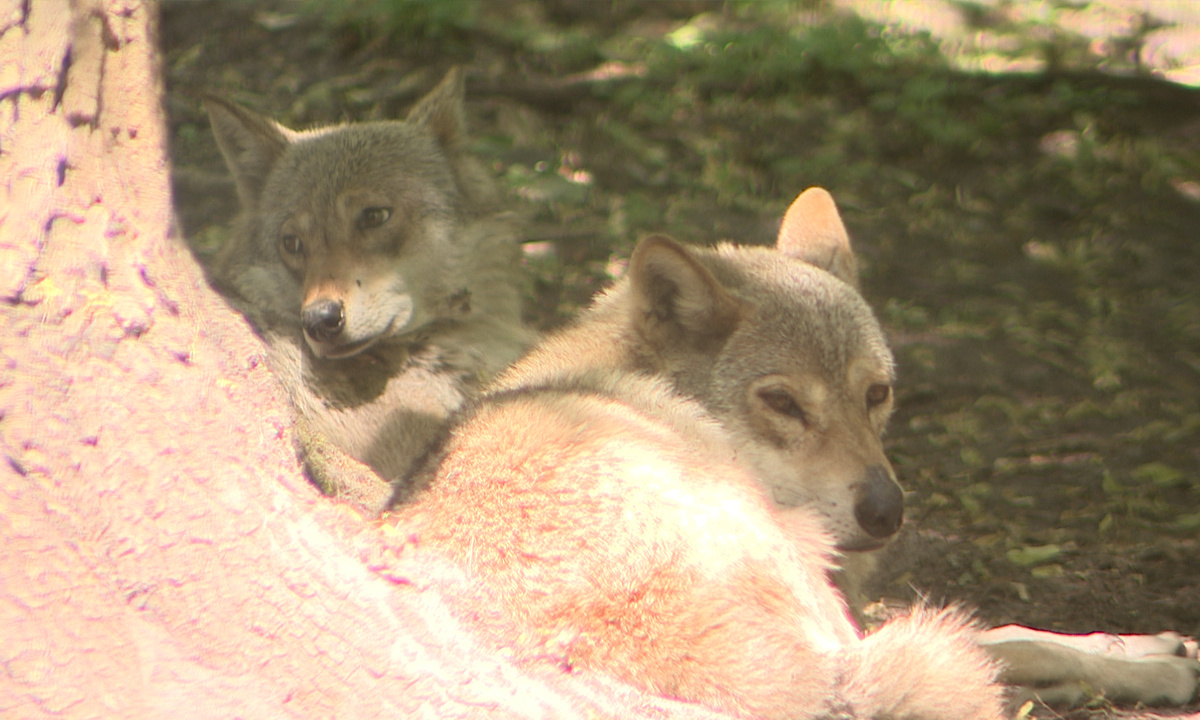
582 358
599 338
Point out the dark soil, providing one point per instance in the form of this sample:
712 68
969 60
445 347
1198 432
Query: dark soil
1031 242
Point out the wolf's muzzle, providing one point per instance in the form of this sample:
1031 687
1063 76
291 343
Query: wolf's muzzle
879 503
323 319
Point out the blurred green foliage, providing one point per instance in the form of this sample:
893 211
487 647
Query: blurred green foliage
373 19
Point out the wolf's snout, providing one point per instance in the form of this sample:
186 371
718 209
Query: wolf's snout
879 505
323 319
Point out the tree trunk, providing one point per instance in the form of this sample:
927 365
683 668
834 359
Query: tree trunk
162 553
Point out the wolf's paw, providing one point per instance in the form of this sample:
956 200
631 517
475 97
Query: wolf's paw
338 475
1067 670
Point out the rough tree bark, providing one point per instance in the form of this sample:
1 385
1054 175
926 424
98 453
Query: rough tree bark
162 554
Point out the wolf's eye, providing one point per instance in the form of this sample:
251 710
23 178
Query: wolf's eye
878 394
291 244
373 217
783 403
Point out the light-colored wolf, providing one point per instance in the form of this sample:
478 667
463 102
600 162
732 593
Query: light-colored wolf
376 260
638 491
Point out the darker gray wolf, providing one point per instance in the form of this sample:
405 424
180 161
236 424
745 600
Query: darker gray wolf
376 260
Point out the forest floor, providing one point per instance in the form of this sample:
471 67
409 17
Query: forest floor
1023 189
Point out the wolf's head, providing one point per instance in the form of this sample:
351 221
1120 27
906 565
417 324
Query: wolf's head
781 347
348 233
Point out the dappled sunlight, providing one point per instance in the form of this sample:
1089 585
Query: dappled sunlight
1120 36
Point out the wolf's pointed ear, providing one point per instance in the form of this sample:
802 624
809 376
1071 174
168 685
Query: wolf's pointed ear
442 110
251 143
676 300
812 231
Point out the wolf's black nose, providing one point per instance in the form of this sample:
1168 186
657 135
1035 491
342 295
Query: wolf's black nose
879 505
323 319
